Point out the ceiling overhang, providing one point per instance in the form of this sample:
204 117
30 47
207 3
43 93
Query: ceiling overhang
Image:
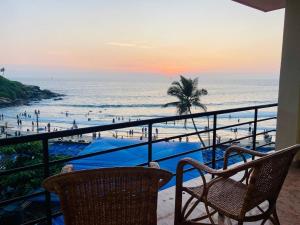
264 5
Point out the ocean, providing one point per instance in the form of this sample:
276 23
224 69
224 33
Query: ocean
98 101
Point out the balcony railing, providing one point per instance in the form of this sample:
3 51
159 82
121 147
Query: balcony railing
47 163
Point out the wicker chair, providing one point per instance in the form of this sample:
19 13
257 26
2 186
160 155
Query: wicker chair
261 183
109 196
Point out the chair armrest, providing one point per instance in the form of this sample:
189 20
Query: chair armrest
162 182
197 165
240 151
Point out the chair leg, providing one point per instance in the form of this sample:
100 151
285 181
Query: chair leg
178 207
275 217
264 221
229 221
221 219
209 215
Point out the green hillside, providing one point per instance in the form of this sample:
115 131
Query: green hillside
16 93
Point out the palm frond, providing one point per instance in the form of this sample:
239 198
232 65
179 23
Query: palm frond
187 85
195 84
175 91
199 104
177 84
170 104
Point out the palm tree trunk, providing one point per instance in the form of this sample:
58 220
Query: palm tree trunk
201 140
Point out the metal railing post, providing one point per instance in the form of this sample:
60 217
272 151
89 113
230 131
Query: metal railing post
214 142
254 129
149 143
47 174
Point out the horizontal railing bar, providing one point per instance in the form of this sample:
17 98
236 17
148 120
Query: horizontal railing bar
245 137
181 136
193 168
16 199
36 221
208 130
66 133
234 140
20 169
183 153
42 219
264 132
260 146
234 125
98 153
202 149
177 155
266 119
7 172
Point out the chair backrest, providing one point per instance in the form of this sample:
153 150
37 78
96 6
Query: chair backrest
109 196
269 173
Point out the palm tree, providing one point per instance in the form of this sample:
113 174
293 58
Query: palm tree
188 94
2 70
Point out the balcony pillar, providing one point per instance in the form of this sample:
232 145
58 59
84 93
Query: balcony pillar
288 124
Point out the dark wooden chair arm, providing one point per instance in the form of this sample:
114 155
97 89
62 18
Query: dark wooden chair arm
164 180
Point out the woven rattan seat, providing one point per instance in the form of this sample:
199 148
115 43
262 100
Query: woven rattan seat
220 196
110 196
262 181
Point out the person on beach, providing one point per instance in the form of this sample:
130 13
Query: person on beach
235 132
48 126
219 139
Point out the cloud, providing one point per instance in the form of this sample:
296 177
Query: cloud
128 45
58 53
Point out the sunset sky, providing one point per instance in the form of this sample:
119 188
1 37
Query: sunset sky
164 37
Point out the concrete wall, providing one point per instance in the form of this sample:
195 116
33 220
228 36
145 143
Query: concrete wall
288 124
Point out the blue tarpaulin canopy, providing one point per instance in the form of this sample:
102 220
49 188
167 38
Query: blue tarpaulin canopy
136 155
